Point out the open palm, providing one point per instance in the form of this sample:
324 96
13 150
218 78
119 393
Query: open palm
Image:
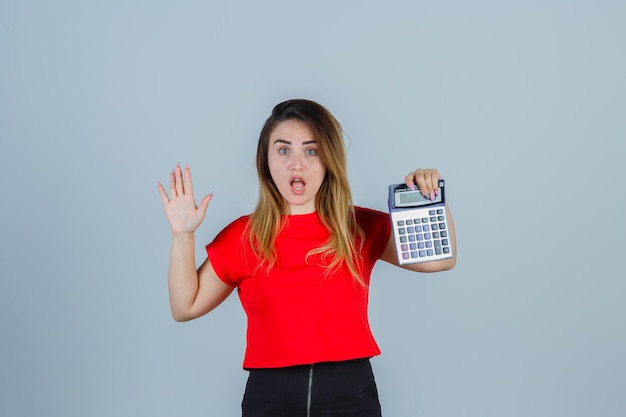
183 215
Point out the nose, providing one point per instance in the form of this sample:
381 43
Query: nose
296 162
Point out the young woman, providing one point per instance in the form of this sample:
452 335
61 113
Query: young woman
301 263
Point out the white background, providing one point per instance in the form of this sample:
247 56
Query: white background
519 104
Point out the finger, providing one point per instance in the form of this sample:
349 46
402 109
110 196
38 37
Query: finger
409 180
173 192
163 194
430 179
178 176
188 182
204 204
434 181
417 178
422 183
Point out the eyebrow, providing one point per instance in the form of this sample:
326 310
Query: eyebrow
307 142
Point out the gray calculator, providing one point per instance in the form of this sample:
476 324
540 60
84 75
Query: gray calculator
420 226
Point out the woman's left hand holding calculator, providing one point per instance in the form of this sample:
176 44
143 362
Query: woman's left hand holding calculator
426 180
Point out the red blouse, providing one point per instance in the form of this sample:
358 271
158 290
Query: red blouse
297 314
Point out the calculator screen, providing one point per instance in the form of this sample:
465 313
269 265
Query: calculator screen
408 198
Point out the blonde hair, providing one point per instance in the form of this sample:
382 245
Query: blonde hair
333 201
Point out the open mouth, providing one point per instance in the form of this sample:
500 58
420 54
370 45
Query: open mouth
297 185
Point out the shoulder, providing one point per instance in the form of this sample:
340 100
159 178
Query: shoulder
372 221
230 243
236 228
241 222
366 215
230 252
376 228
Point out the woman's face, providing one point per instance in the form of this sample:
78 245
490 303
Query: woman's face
296 165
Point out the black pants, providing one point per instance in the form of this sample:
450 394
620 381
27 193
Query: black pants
328 389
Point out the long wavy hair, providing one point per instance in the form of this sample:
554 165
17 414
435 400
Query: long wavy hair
333 201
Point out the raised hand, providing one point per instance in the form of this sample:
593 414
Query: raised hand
427 180
183 215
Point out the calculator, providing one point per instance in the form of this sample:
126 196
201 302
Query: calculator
420 226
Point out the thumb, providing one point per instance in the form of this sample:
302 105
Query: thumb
204 203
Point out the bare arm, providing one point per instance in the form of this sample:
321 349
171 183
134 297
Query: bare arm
193 293
426 180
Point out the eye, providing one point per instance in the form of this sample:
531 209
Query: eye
283 151
311 152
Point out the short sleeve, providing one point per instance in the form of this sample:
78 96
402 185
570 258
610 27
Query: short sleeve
377 228
230 253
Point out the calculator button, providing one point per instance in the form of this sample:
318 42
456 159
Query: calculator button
437 247
423 239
